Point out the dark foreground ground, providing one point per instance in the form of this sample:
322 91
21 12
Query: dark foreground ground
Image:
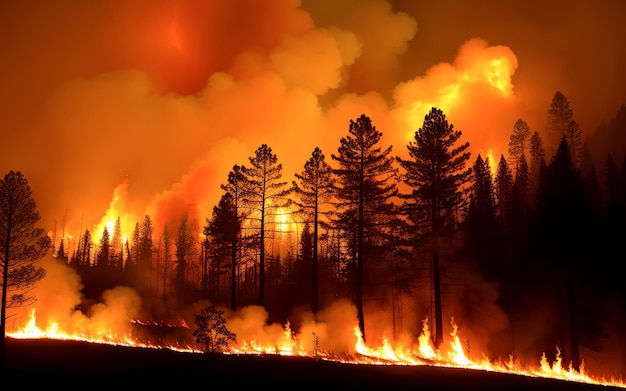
80 365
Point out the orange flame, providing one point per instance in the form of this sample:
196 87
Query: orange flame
288 344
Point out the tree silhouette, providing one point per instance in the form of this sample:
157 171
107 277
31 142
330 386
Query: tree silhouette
536 165
21 245
116 252
481 224
224 228
313 187
563 224
186 249
82 258
264 194
519 143
211 332
437 176
236 187
562 125
144 250
104 249
365 186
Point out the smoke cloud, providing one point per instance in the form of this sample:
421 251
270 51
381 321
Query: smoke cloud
125 109
165 99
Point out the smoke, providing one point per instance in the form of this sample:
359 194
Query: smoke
126 109
61 307
170 97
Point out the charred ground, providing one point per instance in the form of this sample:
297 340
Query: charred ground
75 365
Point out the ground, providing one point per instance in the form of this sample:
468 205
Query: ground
72 364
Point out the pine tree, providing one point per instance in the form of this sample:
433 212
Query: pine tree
102 258
22 244
519 143
236 187
82 258
166 241
223 229
264 193
145 249
562 125
366 185
314 189
438 177
116 254
536 165
186 244
504 189
481 222
562 231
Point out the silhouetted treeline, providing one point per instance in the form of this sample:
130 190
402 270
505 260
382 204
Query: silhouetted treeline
544 224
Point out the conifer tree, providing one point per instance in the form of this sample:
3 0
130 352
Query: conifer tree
438 178
22 244
366 185
519 143
102 258
504 189
264 193
223 229
562 230
562 125
313 188
186 249
481 222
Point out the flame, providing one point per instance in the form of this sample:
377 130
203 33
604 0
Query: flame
119 208
288 344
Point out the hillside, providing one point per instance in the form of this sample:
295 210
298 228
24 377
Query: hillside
76 365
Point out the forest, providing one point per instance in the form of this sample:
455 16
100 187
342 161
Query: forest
544 224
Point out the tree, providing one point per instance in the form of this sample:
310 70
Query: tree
562 125
563 228
437 176
185 251
144 250
166 240
235 186
224 228
537 163
313 186
263 194
481 222
365 186
116 252
22 244
82 258
211 332
518 142
504 190
102 258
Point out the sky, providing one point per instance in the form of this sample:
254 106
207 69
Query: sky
128 108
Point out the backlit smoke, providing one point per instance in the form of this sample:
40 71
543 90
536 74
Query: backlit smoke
126 109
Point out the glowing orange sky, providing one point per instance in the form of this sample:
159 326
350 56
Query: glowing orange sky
169 95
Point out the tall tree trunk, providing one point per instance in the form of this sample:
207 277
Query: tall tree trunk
233 275
315 288
262 259
573 322
437 288
359 266
3 311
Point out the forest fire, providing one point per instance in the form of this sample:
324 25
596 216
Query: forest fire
354 182
289 343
